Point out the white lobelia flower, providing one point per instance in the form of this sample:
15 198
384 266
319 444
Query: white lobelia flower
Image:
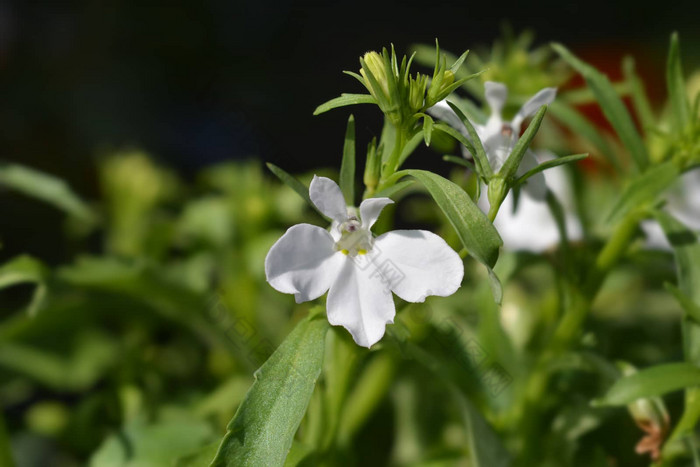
683 203
532 226
361 271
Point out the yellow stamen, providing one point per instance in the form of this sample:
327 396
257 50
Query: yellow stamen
345 252
361 252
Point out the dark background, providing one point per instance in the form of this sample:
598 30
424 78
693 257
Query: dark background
199 82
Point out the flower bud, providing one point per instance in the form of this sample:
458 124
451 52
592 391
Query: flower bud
372 166
417 92
373 64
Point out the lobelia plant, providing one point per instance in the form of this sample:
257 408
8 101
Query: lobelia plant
510 308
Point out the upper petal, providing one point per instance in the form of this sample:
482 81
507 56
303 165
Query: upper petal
543 97
418 263
328 198
360 301
303 262
370 210
496 95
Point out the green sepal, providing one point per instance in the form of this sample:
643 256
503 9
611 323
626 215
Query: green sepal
347 166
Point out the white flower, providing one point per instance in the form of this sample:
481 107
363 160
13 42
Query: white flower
361 271
683 203
532 226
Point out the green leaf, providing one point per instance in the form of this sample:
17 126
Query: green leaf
512 163
293 183
475 231
476 148
427 128
639 96
345 100
548 165
644 189
25 269
655 381
264 425
573 119
676 85
47 188
613 107
347 167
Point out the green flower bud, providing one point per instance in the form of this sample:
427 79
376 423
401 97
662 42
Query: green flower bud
373 166
417 88
373 64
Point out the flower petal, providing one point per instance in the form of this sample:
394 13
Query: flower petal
303 262
328 198
360 301
543 97
496 95
370 210
417 263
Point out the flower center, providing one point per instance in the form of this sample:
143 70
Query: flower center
354 240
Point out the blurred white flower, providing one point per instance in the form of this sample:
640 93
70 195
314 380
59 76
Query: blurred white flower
532 226
361 271
683 203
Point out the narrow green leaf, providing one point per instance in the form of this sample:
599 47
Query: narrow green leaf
613 107
548 165
480 158
293 183
456 135
475 231
655 381
512 163
676 85
427 128
343 101
485 449
577 123
639 96
644 189
458 63
46 188
25 269
347 166
264 425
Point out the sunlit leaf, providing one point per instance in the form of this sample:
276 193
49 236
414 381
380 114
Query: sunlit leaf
264 425
477 234
655 381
